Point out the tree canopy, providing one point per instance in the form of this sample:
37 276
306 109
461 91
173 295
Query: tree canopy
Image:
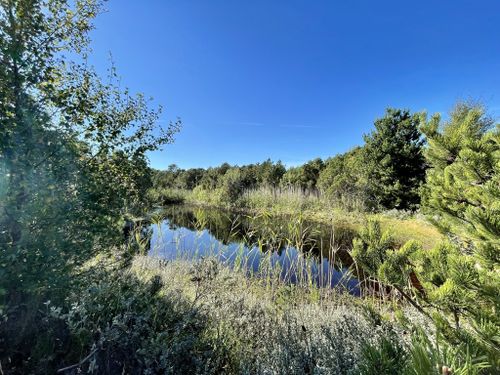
394 159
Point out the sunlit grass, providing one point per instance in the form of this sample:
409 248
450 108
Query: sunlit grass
274 327
317 208
412 228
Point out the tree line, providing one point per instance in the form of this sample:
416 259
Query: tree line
387 172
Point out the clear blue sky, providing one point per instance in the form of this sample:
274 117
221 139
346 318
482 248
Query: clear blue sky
294 80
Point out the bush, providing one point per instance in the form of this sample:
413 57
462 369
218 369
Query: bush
136 326
282 330
166 196
385 358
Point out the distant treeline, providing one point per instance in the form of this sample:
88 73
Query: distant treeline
386 172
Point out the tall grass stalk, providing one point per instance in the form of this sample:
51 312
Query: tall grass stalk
295 264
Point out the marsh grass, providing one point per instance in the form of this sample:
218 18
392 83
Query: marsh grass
287 253
316 206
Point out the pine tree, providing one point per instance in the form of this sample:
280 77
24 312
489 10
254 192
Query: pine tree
462 198
458 281
462 193
394 160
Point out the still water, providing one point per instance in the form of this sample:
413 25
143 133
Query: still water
298 251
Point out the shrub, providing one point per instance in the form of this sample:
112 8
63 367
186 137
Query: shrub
133 325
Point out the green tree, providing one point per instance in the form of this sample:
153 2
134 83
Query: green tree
210 178
343 180
189 178
39 152
72 160
461 197
458 280
305 177
463 184
232 185
394 160
164 179
269 173
382 260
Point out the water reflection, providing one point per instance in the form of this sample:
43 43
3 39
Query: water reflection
297 250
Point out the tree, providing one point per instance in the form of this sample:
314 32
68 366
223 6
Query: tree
39 152
165 179
72 158
458 280
343 180
232 185
269 173
463 184
210 179
193 177
305 176
381 259
394 160
461 197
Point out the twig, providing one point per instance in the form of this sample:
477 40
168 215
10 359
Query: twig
79 363
409 299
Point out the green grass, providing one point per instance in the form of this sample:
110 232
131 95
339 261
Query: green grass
411 229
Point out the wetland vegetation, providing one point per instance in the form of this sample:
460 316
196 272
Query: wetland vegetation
381 260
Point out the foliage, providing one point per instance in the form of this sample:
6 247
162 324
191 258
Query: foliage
72 160
463 183
385 358
427 357
446 281
421 357
267 173
73 163
232 185
379 256
166 196
387 172
305 176
270 330
394 160
343 180
457 280
461 196
137 326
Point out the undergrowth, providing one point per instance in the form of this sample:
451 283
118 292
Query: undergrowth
203 317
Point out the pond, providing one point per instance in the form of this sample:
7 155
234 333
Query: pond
295 250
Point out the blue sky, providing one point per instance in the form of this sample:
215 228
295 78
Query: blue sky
295 80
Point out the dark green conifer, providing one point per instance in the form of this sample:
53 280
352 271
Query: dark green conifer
394 160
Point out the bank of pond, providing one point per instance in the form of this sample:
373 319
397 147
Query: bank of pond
291 249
